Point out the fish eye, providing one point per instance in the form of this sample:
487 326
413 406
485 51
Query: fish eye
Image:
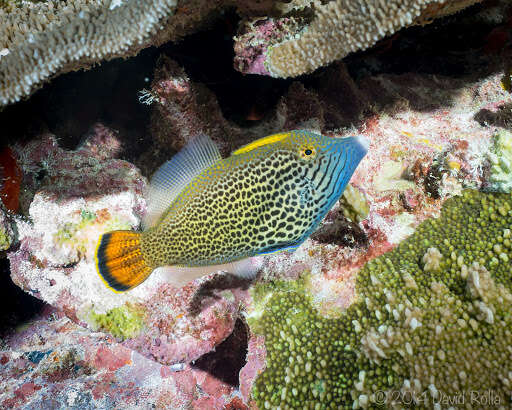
307 152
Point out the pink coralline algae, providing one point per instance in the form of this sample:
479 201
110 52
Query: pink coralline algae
55 363
80 195
254 39
184 109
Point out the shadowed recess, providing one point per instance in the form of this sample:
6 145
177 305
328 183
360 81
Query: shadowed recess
208 291
16 306
208 59
228 358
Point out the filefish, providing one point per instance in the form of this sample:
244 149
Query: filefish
207 214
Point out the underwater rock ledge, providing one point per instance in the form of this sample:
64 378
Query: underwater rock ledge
41 40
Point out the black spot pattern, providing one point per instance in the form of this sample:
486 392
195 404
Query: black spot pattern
250 204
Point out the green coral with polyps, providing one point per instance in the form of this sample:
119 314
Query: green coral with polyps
432 322
122 322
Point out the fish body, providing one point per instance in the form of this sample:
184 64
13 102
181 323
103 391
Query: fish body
267 196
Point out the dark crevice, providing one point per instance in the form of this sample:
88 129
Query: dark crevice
447 47
432 182
16 306
70 104
502 117
341 232
228 358
242 98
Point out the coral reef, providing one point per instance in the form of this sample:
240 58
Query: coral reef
288 48
41 40
422 151
54 363
332 324
375 353
79 195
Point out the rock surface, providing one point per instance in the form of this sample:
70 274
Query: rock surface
55 363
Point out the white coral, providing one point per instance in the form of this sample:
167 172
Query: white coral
432 259
343 26
49 37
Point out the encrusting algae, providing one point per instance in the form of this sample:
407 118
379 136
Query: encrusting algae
431 322
122 322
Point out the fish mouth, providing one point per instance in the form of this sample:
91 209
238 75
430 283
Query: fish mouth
363 142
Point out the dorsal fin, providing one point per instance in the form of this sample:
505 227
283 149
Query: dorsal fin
261 142
174 175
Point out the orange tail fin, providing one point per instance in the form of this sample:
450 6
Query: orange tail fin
120 262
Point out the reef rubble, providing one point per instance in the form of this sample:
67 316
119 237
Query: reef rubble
55 363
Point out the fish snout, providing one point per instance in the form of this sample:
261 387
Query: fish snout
357 144
363 142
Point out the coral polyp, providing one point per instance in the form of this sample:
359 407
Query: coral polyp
414 334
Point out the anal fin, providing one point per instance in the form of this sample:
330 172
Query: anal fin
180 276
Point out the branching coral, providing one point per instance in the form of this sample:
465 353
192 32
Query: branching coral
40 40
343 26
412 337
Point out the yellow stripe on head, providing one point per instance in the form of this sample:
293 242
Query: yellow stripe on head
261 142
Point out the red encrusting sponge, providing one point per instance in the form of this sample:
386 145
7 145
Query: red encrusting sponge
10 180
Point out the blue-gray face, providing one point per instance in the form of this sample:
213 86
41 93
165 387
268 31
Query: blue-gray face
327 175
